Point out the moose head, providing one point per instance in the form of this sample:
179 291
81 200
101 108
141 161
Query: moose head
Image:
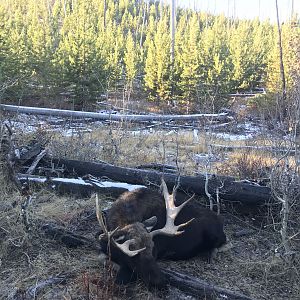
137 245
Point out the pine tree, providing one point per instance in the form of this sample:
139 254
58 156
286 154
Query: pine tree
188 57
80 66
157 66
130 61
215 61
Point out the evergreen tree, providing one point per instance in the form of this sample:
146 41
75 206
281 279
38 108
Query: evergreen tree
215 61
79 65
130 60
188 58
157 66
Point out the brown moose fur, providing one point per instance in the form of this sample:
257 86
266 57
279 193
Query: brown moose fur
134 206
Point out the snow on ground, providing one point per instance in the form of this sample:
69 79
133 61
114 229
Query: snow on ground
69 127
129 187
233 137
243 131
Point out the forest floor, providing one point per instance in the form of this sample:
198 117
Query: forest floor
29 260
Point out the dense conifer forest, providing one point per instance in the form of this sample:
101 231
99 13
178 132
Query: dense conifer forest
81 50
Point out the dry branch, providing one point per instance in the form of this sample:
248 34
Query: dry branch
68 238
33 291
36 161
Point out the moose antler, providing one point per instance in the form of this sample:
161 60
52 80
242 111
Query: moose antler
109 234
171 213
124 247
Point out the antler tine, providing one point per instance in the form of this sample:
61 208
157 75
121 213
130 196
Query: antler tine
164 189
175 188
171 213
109 234
125 248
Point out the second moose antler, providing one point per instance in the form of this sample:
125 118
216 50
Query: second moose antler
171 213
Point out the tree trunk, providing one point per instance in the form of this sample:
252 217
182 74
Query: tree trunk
283 107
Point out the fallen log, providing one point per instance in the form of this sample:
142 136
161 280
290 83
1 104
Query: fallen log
200 288
112 117
77 187
158 167
256 148
68 238
36 161
229 189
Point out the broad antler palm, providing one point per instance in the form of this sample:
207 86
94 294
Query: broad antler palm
172 211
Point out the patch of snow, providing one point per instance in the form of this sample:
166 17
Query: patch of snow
195 135
108 112
34 179
204 158
71 180
101 184
80 181
233 137
129 187
247 130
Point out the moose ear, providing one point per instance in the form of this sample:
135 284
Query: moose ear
150 223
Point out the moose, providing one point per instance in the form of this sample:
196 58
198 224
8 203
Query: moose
143 225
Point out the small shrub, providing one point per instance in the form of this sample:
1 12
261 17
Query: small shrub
246 165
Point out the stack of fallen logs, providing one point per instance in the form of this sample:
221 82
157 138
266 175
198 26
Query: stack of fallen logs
33 164
67 175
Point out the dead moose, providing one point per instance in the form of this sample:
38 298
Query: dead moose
142 226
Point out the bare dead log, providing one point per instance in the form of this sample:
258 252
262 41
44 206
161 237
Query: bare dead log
229 189
158 167
200 288
77 187
8 155
68 238
28 153
112 117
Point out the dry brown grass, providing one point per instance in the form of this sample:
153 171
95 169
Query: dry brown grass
247 165
130 148
28 257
